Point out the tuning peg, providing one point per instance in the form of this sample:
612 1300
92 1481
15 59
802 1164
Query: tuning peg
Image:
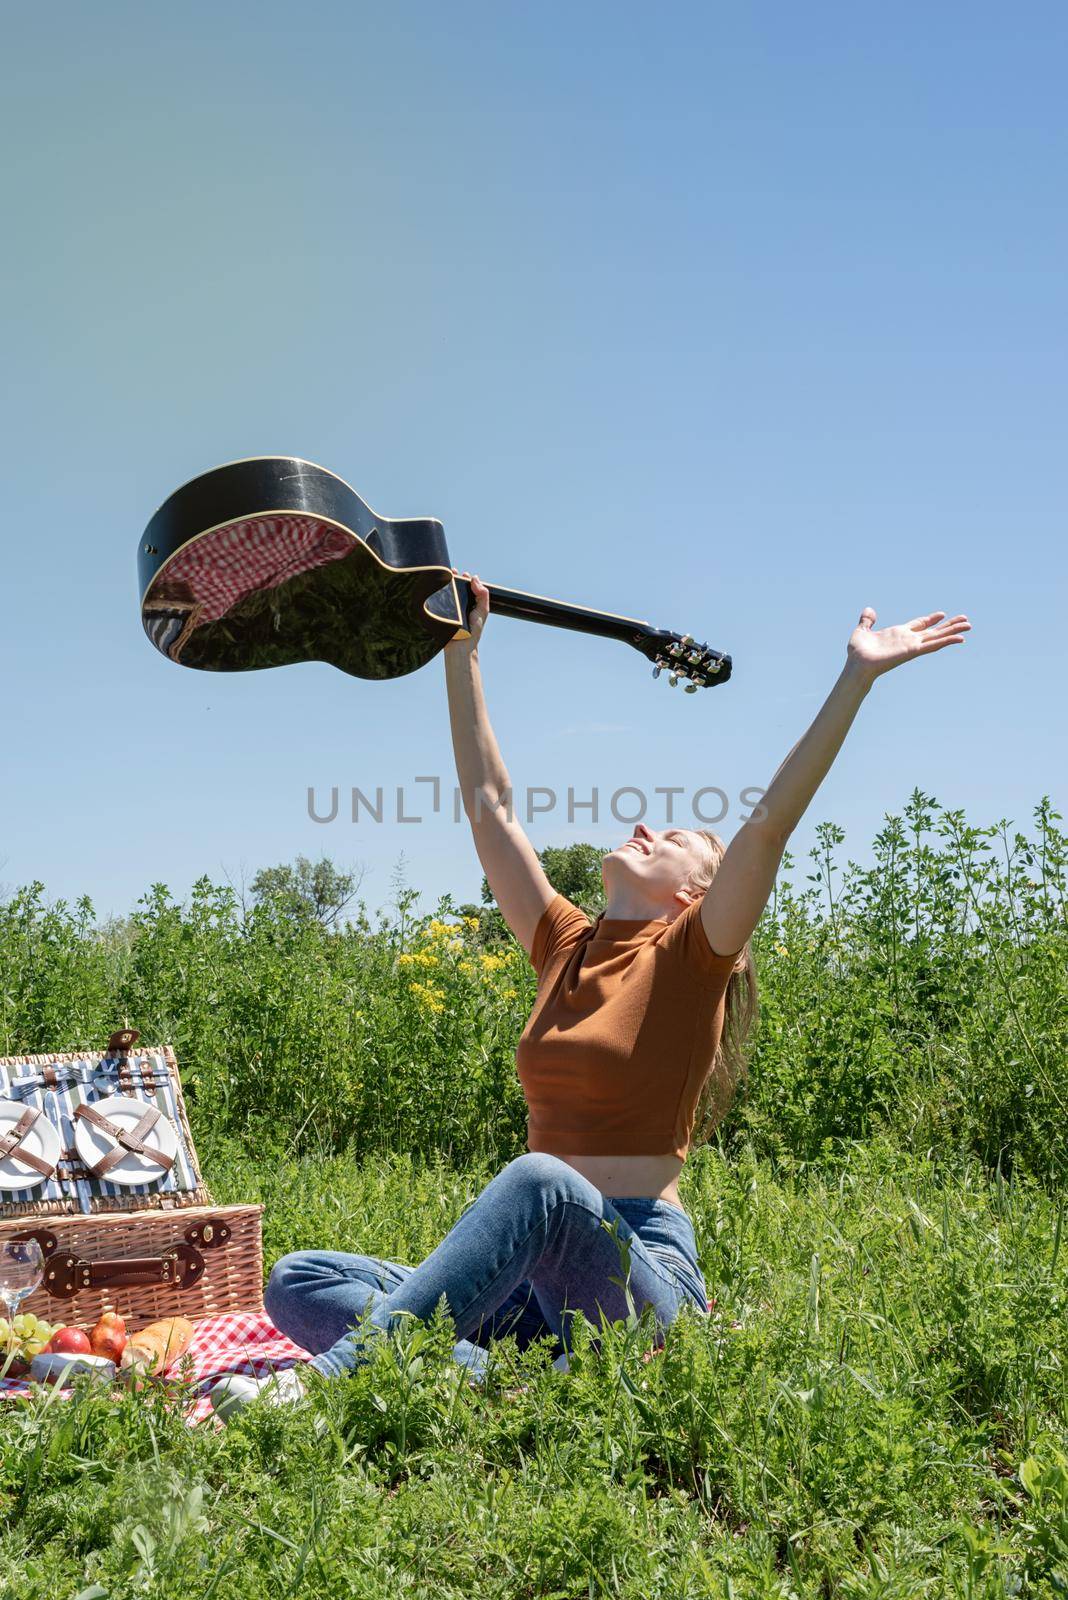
673 680
657 670
691 688
687 638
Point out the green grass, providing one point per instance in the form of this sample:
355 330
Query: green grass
877 1407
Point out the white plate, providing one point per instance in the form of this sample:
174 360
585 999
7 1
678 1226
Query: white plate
92 1144
42 1140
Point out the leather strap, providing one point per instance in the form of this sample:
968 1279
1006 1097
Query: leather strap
181 1266
126 1139
133 1270
10 1144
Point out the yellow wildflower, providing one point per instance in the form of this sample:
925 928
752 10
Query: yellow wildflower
418 958
491 963
430 997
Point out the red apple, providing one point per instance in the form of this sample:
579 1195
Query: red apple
70 1342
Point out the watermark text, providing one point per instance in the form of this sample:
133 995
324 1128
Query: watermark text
703 807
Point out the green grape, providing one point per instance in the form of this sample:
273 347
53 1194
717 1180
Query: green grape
26 1335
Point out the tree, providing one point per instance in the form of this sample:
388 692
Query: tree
307 890
573 870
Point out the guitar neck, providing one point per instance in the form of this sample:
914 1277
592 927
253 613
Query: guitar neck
678 653
558 614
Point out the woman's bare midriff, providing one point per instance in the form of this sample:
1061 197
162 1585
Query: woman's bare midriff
630 1177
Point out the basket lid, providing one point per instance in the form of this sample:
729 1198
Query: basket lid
141 1158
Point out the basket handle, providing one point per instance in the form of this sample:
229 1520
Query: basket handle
182 1266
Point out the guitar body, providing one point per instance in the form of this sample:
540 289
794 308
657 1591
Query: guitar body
273 560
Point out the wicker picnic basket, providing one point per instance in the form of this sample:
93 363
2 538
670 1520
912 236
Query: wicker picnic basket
152 1248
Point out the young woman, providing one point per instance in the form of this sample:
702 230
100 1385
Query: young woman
635 1039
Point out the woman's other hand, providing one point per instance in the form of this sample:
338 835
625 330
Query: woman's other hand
873 651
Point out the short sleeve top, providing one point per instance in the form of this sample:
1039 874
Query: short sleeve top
624 1031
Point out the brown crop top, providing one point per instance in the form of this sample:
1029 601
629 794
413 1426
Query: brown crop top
624 1031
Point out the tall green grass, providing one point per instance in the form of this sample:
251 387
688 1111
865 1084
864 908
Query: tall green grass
922 996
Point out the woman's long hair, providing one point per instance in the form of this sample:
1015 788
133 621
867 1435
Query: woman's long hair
740 1012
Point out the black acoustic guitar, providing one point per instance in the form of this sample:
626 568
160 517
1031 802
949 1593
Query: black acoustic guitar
274 560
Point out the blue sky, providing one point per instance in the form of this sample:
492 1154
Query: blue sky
732 318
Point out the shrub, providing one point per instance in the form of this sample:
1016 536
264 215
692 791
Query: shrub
922 996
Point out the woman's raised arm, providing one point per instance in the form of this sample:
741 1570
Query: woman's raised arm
732 905
515 875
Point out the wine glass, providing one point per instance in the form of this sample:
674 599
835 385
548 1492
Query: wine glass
21 1270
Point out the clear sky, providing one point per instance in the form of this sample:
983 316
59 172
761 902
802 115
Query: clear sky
734 318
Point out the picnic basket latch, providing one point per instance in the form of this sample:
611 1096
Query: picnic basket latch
66 1275
208 1233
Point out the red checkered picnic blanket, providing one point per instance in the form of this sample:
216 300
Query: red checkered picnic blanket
245 1342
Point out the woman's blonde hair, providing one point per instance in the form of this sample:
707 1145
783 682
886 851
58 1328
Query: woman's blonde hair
741 1009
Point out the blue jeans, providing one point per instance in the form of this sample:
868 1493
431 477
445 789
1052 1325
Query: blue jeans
539 1244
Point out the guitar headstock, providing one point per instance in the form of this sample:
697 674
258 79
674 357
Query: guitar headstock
681 658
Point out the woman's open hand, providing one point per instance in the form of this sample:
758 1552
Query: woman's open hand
477 620
874 651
